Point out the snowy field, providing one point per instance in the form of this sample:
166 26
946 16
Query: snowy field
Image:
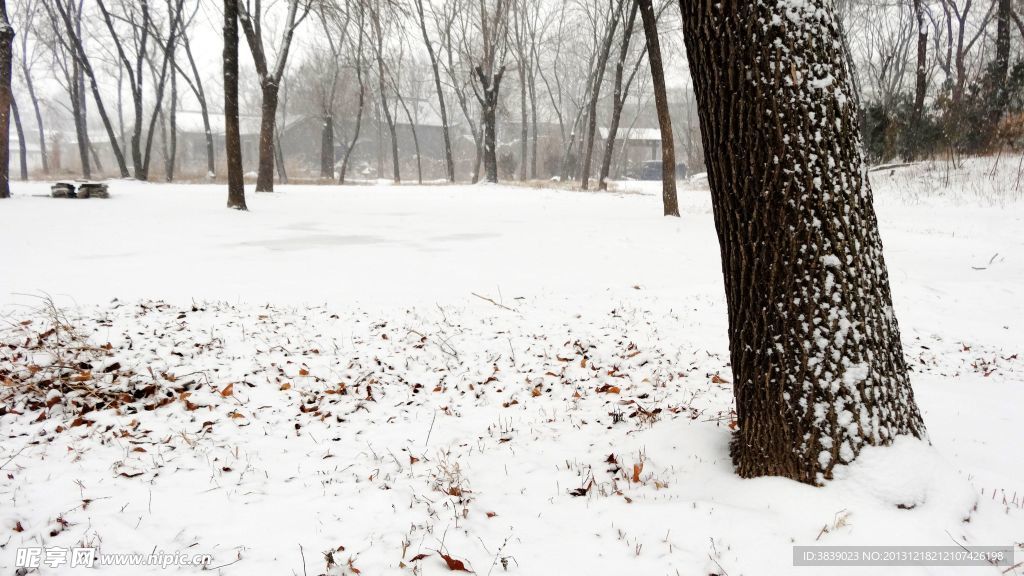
397 380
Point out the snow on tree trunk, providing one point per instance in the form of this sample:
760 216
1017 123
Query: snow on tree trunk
818 366
490 85
265 170
6 59
232 135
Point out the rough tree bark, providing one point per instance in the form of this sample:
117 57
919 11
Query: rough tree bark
232 134
490 84
668 146
6 60
817 362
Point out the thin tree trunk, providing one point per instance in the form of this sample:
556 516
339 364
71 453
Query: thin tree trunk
415 137
327 147
78 110
282 170
920 77
22 152
524 128
595 95
449 160
619 97
211 165
534 138
362 104
355 135
6 98
29 85
82 60
818 368
232 134
168 56
173 120
396 169
668 146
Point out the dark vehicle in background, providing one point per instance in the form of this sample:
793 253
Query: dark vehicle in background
651 170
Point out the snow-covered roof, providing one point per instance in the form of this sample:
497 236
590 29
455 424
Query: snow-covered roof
191 122
634 135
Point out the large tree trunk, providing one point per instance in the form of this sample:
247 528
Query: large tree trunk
6 59
489 87
232 135
817 362
668 145
1001 65
268 121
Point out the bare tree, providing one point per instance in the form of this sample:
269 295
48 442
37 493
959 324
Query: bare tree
195 84
1000 64
6 61
232 135
453 13
490 69
614 16
71 17
818 367
668 151
442 109
621 86
22 152
250 15
28 55
361 103
382 93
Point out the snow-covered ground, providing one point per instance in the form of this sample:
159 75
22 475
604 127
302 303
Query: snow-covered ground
522 379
